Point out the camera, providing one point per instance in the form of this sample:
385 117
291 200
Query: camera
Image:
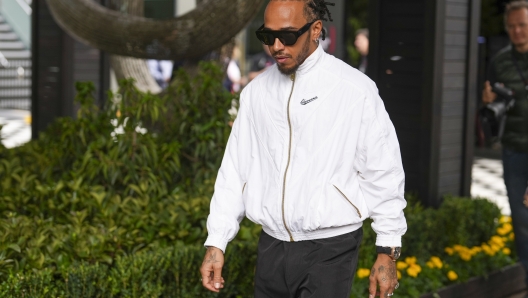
494 114
502 92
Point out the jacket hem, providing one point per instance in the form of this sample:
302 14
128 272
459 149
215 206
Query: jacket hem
312 235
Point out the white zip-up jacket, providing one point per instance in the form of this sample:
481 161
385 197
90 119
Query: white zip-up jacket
310 156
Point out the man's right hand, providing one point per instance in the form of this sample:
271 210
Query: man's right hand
211 269
488 96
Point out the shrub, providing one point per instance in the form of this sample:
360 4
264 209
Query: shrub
99 186
168 272
457 220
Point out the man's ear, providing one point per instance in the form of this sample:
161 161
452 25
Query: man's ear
317 29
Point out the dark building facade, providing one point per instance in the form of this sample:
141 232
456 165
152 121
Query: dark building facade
424 59
58 62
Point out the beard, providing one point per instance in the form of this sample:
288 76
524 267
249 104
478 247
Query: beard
303 54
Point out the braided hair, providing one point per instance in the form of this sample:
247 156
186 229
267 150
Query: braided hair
315 10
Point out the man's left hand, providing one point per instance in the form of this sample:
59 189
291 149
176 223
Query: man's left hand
383 273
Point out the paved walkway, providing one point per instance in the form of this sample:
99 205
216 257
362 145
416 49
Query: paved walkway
487 182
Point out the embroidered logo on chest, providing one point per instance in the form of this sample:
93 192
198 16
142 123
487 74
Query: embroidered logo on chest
305 102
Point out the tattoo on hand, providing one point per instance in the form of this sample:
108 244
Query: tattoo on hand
211 258
392 272
381 269
373 271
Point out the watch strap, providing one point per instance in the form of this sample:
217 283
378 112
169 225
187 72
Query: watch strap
384 250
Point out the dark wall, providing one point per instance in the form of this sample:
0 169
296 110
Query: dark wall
58 62
421 60
396 64
47 52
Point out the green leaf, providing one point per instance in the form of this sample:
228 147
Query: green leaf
15 247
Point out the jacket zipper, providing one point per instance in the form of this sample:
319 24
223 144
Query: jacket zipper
292 77
357 210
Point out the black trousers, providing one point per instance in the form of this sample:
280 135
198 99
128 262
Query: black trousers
314 268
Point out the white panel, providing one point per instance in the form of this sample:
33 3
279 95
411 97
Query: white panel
184 6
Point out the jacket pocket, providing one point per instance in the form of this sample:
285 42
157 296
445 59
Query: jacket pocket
345 197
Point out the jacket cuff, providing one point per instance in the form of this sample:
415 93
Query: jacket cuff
388 240
217 242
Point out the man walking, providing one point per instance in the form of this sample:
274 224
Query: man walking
312 154
509 67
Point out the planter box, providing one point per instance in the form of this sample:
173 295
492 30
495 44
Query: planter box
499 284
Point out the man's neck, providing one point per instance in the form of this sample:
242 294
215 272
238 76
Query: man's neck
522 48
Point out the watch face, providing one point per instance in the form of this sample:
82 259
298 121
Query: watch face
397 252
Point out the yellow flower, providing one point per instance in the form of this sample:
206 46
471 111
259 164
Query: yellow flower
505 229
466 255
363 272
497 241
430 264
506 251
410 260
512 237
414 270
417 267
449 251
464 252
495 248
401 265
488 250
452 275
475 250
505 219
436 262
458 247
398 273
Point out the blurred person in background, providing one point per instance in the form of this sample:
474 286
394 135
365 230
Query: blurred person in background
362 45
161 71
260 62
234 79
510 68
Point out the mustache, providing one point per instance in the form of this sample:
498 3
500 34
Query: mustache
280 54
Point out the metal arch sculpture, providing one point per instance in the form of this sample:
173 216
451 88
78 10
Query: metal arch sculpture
212 24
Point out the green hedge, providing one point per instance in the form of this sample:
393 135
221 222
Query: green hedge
168 272
97 207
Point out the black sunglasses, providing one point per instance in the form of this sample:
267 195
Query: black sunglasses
287 38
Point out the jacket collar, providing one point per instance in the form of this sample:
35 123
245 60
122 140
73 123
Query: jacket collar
517 54
311 61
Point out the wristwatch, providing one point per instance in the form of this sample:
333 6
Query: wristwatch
393 252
